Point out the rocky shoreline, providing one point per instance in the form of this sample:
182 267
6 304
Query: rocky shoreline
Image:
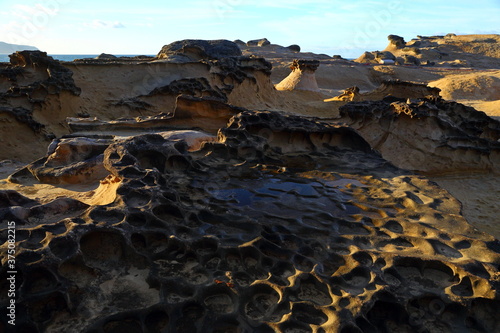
249 187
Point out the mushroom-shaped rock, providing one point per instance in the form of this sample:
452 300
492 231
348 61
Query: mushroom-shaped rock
302 76
197 49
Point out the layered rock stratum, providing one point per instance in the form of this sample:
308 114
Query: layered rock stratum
186 193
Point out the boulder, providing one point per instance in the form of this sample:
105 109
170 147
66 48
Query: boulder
377 57
410 60
384 55
105 56
294 48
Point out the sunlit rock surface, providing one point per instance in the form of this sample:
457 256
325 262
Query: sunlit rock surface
302 76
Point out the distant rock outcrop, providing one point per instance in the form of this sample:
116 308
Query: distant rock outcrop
377 57
258 42
197 49
294 48
396 41
105 56
302 76
448 51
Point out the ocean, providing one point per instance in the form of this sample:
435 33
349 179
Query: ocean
71 57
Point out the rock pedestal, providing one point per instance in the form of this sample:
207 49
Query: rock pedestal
302 76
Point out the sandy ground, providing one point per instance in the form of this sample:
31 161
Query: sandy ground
479 195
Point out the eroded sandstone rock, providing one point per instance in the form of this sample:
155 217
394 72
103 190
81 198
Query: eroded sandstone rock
296 226
69 161
197 49
428 134
59 78
388 88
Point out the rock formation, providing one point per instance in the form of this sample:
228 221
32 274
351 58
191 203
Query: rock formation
40 92
294 48
186 194
302 76
391 88
196 49
396 41
428 134
259 42
450 50
377 57
106 56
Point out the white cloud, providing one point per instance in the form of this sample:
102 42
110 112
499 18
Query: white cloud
100 24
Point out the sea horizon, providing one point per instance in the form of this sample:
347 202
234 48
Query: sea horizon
70 57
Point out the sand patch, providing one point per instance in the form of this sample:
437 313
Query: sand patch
478 194
480 85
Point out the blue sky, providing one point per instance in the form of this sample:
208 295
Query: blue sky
343 27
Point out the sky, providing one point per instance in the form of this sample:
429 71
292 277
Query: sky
347 28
